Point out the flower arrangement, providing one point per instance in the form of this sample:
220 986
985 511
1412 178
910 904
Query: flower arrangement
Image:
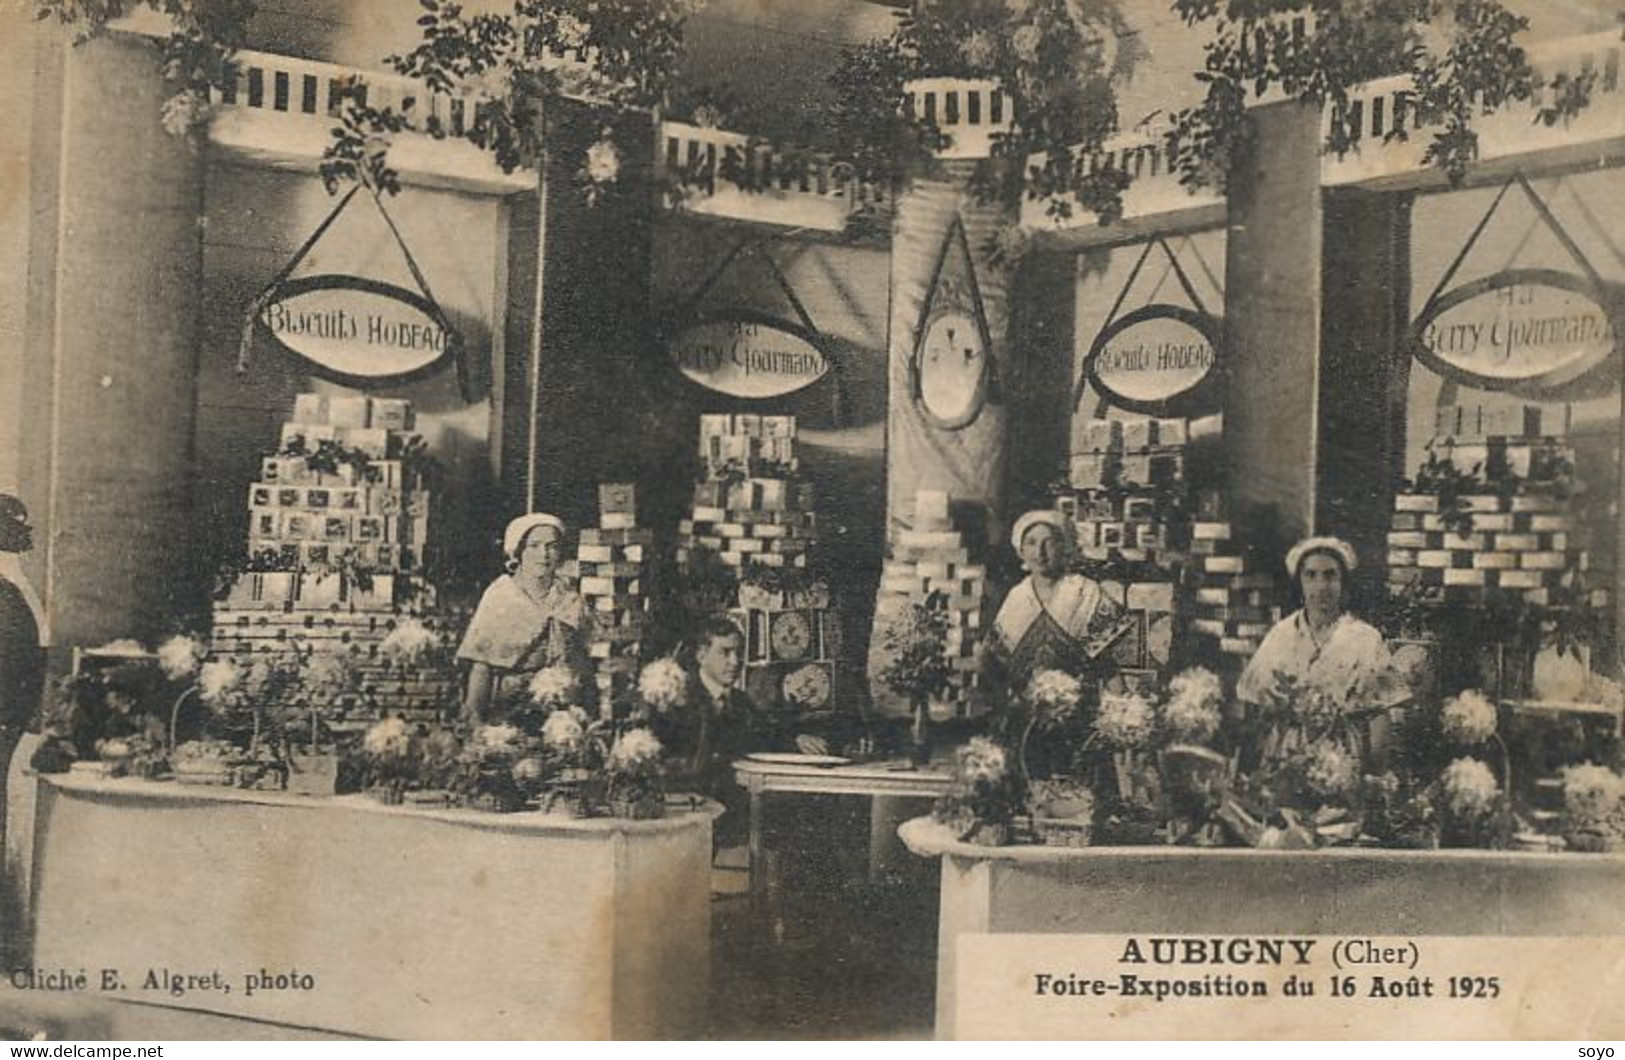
663 685
554 686
1593 806
917 666
490 777
1054 695
633 772
181 656
408 642
1191 713
565 731
1468 719
391 754
985 797
1127 721
1330 771
1470 789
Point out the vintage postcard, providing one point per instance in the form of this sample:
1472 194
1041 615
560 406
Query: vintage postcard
851 519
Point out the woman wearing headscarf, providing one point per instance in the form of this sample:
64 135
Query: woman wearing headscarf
1323 650
1054 618
528 619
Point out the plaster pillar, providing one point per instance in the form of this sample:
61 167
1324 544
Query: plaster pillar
1272 319
115 270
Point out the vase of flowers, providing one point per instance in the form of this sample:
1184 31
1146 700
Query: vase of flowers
487 780
1052 699
1593 808
390 757
985 797
633 786
918 667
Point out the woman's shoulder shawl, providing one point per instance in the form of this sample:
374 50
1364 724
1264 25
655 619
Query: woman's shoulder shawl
507 622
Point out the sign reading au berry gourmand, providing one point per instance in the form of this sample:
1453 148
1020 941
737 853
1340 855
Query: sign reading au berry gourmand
746 355
1156 359
358 331
1522 329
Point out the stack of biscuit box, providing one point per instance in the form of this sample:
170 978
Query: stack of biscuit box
612 562
753 513
1119 468
338 522
931 558
1516 542
749 508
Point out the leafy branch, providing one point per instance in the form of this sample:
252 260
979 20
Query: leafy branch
1462 56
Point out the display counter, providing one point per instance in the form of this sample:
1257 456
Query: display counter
1185 890
374 920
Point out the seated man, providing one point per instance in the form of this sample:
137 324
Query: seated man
718 725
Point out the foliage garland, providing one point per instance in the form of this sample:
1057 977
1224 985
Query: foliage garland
1462 55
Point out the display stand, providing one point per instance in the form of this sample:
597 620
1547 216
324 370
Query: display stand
389 922
1187 890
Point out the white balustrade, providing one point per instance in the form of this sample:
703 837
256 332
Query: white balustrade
281 110
1379 107
969 112
1154 189
768 184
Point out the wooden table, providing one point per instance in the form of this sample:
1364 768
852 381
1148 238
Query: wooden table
886 784
389 921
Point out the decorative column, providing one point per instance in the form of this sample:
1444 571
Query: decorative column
939 268
1272 322
951 376
115 268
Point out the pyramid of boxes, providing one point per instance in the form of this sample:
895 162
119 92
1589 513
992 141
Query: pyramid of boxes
338 524
612 562
931 558
753 513
1119 469
1143 492
750 508
1234 593
1514 538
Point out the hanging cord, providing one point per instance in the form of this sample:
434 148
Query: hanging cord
1559 231
1467 247
837 398
465 384
267 294
1128 285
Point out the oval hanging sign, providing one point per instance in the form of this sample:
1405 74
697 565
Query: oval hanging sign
358 331
748 356
1155 358
1522 328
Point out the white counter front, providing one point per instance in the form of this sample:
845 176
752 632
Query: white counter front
393 922
1018 890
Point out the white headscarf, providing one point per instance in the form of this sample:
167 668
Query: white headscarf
513 539
1045 517
1335 545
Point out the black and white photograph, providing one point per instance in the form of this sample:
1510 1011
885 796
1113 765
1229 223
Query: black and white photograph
856 520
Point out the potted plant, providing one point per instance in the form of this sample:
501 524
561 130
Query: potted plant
985 797
390 754
632 774
918 667
1593 808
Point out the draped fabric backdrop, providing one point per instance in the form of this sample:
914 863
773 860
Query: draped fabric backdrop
970 463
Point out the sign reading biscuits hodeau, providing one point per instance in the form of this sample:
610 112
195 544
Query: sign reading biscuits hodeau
1157 359
746 355
357 331
1522 329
